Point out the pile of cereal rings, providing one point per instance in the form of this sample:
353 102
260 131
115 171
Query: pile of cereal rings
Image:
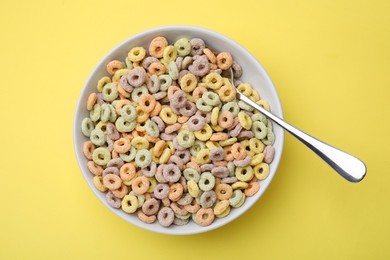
169 142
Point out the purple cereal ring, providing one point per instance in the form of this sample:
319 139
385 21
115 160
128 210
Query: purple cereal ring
246 134
244 162
153 84
159 122
184 155
150 171
150 206
183 183
113 201
229 180
205 115
160 95
167 137
112 132
177 145
115 162
172 128
161 191
99 99
188 109
136 77
178 99
208 198
220 172
179 62
200 67
165 216
236 130
125 84
171 173
110 170
237 70
217 154
175 110
147 61
197 46
177 161
196 122
207 167
159 174
269 153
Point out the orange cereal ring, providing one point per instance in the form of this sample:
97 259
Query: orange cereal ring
172 90
252 189
224 60
121 192
227 93
159 148
224 191
112 181
238 151
228 151
219 137
193 165
204 217
127 172
122 145
94 168
122 92
156 68
156 110
114 154
175 192
145 218
225 119
179 210
157 46
147 103
166 202
88 148
151 139
113 66
142 116
198 92
91 101
121 103
210 55
221 163
140 185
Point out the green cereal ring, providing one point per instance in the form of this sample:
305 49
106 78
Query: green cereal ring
109 92
236 198
138 92
87 126
183 47
113 114
260 117
196 147
244 106
191 174
129 64
173 70
105 113
128 113
259 129
129 155
186 138
94 114
207 181
101 156
270 125
232 107
124 126
170 54
211 98
203 106
270 138
152 128
165 82
97 137
143 158
102 82
244 173
231 168
241 202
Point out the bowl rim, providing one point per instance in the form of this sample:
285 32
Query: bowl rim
144 33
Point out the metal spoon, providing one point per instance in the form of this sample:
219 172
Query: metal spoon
348 166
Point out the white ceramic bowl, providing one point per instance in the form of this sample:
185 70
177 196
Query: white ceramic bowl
254 74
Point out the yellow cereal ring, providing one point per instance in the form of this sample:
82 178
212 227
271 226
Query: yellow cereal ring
257 159
239 204
245 144
210 145
261 171
256 145
118 74
129 203
193 188
203 156
244 174
152 185
224 213
204 134
102 82
136 54
217 128
264 104
167 115
213 80
254 96
171 146
139 143
98 182
245 120
239 185
228 142
169 54
227 93
182 119
188 82
245 89
214 116
220 207
166 154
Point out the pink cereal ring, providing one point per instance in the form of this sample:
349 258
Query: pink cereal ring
165 216
269 153
225 119
121 192
150 206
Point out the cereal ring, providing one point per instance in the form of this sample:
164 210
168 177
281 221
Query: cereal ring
157 68
121 192
207 181
200 67
110 170
203 156
225 119
191 174
140 185
184 156
227 142
129 204
128 156
165 216
188 82
87 126
113 66
183 47
171 173
150 170
245 120
217 154
270 138
139 143
110 92
147 61
269 153
103 81
211 98
147 103
159 122
221 207
157 46
227 93
127 172
94 168
112 200
238 151
98 183
178 99
173 71
150 207
193 188
196 123
169 54
122 145
204 217
153 84
112 181
175 192
143 158
220 171
259 129
125 85
244 162
186 138
91 101
101 156
136 54
210 55
237 70
244 174
208 198
161 191
252 189
261 171
112 133
213 80
197 46
224 60
168 116
88 148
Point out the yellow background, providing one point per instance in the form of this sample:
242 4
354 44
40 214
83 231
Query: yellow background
330 63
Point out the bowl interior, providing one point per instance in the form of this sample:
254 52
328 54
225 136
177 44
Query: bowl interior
253 73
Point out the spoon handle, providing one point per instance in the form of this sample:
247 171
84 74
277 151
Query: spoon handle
348 166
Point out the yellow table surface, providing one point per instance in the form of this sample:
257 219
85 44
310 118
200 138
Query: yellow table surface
330 62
